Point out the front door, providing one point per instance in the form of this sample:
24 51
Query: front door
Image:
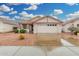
31 28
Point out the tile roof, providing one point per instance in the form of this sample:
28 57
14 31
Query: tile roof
71 21
33 20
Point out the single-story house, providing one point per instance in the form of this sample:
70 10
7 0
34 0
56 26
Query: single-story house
7 25
46 24
70 23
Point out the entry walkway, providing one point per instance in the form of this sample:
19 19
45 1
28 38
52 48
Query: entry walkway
66 43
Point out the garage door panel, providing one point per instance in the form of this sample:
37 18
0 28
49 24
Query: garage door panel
46 29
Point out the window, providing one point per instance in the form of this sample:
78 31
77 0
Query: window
77 25
52 24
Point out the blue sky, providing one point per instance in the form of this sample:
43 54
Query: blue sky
62 11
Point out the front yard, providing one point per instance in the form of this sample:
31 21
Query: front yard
12 39
74 39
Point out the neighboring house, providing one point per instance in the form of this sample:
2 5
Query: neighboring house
7 25
46 24
71 23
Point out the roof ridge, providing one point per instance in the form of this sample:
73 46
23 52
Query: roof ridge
4 20
70 21
51 17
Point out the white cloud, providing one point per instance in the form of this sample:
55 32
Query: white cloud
4 8
17 17
25 14
13 12
72 15
75 14
57 11
71 4
32 7
54 16
20 18
6 17
11 9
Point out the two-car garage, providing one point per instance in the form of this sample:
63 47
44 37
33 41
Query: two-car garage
47 28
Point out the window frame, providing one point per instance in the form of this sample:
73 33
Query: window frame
51 24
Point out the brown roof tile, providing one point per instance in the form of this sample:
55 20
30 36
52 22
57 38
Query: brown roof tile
33 20
30 21
71 21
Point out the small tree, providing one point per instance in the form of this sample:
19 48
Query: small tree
72 29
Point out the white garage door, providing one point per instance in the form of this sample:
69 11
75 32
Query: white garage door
46 28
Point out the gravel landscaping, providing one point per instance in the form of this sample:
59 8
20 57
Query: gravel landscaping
12 39
71 38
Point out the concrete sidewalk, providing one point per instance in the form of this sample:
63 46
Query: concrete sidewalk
36 51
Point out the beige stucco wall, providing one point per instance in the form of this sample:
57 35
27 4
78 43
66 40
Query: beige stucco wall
75 23
65 27
6 27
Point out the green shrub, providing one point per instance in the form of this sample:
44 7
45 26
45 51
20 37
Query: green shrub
22 31
74 30
16 31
